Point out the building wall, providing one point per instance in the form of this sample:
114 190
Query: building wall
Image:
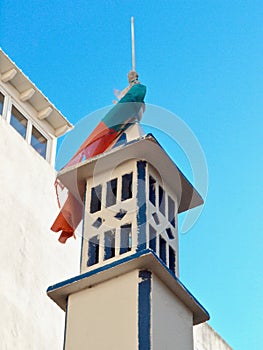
104 316
31 258
163 224
108 213
205 338
172 322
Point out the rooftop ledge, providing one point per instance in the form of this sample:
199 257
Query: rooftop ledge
145 259
28 92
144 148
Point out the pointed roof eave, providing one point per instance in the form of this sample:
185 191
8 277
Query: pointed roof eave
144 148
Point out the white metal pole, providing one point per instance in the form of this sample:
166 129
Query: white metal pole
133 44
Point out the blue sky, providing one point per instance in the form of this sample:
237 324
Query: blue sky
201 60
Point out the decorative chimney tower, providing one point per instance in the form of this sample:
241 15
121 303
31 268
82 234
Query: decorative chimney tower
128 295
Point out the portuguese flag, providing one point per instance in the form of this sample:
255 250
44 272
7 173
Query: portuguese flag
118 119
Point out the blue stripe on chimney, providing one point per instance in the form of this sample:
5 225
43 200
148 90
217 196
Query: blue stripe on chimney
141 203
144 311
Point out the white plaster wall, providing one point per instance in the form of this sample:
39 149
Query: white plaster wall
206 338
172 322
163 220
108 213
31 258
104 316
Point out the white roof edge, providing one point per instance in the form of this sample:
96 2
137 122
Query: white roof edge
73 177
65 123
145 259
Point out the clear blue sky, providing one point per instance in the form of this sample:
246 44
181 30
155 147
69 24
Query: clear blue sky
201 60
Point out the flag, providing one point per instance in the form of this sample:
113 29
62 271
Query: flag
122 115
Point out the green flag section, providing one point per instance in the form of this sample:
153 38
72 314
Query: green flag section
127 108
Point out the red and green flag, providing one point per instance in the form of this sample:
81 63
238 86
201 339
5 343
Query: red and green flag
117 120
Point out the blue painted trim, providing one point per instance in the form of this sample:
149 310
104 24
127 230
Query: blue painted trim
141 204
83 226
119 262
100 269
65 328
144 310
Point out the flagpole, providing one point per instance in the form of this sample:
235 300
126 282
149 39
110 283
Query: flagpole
133 43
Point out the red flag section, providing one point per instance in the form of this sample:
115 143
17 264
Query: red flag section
71 213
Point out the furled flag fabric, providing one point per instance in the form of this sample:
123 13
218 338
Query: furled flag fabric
123 114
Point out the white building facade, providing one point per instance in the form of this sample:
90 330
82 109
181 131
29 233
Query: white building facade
30 256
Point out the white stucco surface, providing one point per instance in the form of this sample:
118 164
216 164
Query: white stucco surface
172 321
206 338
31 258
110 222
104 316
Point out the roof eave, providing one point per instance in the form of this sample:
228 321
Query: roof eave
45 110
